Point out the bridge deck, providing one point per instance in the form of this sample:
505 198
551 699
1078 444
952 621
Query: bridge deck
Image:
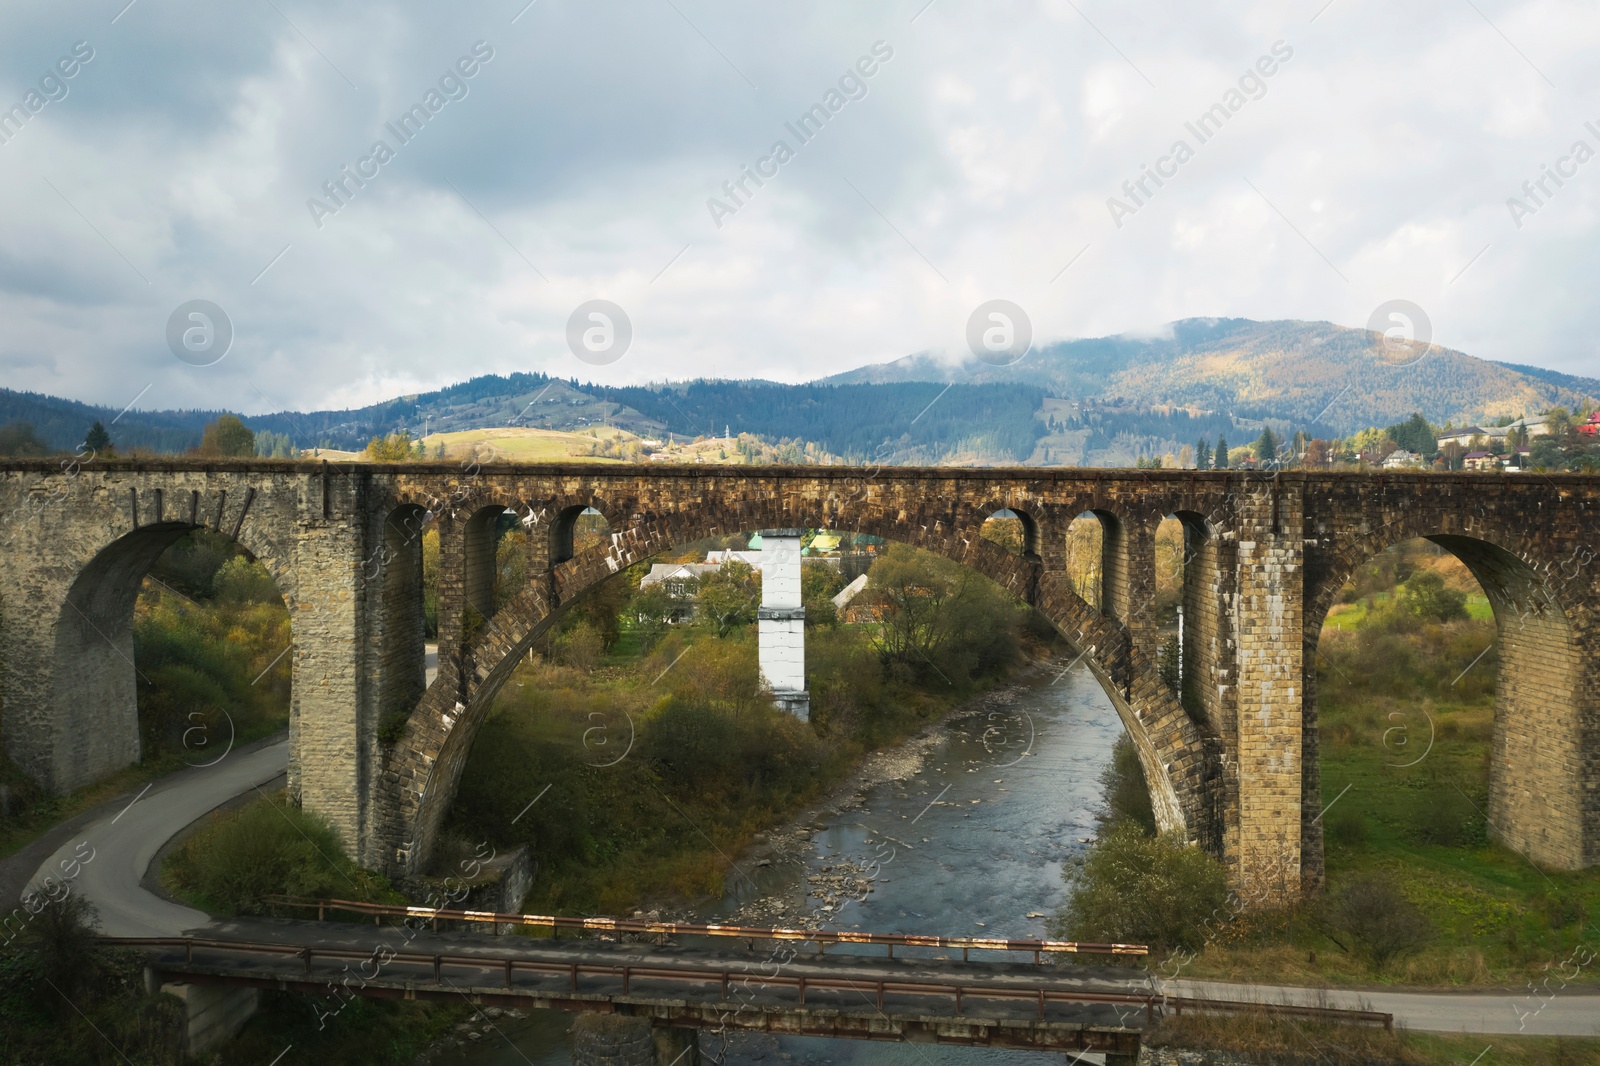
992 1004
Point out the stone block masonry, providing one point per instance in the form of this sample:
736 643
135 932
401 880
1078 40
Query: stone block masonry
1231 759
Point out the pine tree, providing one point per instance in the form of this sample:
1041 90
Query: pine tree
1221 461
98 440
1202 454
1267 446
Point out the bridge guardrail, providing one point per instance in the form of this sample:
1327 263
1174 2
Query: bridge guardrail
575 971
743 932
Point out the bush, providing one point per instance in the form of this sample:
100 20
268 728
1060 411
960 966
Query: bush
269 848
1426 597
1135 889
580 647
1448 819
1126 796
1368 916
1348 828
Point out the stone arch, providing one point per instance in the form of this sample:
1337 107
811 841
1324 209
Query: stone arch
1207 626
93 705
561 527
1032 541
423 769
480 537
1541 774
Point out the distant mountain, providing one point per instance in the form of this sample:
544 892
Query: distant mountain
1096 402
1298 371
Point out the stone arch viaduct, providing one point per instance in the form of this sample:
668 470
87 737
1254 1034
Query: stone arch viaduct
1232 762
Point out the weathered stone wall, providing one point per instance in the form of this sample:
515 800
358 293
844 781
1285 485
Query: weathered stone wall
1232 764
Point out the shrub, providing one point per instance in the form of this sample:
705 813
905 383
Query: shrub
1348 828
1132 888
1426 597
268 848
61 938
1448 819
580 647
1368 916
1126 796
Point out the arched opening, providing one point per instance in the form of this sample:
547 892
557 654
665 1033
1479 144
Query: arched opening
575 530
685 697
409 609
1190 615
1447 718
496 548
173 643
1015 531
480 544
1086 558
1169 604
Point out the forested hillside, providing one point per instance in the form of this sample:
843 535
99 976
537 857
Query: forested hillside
1298 371
1106 401
901 423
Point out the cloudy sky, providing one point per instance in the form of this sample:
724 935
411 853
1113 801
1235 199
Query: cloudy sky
578 161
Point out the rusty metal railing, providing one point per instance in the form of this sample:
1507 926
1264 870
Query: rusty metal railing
743 932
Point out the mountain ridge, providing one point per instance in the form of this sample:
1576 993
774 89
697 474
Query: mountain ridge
1089 401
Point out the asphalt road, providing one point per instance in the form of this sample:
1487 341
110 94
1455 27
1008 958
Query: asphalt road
125 841
1555 1013
111 853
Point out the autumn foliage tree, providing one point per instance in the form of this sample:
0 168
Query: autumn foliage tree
227 437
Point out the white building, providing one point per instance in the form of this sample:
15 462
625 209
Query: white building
1400 459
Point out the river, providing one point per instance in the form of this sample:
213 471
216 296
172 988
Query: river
970 844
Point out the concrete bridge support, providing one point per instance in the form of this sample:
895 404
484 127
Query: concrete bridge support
213 1014
631 1040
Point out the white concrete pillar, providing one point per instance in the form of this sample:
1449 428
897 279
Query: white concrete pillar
782 621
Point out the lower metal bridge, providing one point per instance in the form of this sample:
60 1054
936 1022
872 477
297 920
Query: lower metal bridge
784 991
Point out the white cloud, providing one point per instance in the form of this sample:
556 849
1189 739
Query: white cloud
984 151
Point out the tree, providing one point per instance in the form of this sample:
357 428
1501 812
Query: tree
819 583
98 441
729 597
227 437
1546 453
940 620
1318 453
1426 597
270 445
1132 888
1267 446
1221 460
1202 454
1414 435
395 448
20 439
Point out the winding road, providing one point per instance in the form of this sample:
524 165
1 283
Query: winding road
113 848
